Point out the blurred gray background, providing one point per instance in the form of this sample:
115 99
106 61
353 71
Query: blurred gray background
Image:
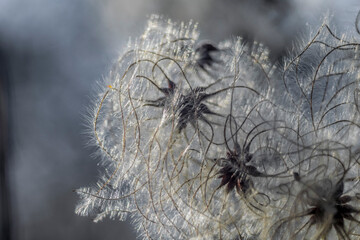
52 53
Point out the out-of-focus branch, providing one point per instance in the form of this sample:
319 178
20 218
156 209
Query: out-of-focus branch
5 201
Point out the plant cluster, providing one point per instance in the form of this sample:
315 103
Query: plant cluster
213 141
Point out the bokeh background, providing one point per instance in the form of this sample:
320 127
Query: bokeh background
52 54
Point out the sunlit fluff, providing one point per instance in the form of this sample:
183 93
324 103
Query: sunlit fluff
212 141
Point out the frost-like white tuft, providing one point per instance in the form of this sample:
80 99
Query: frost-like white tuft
212 141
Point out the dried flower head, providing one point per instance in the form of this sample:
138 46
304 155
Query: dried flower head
212 141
